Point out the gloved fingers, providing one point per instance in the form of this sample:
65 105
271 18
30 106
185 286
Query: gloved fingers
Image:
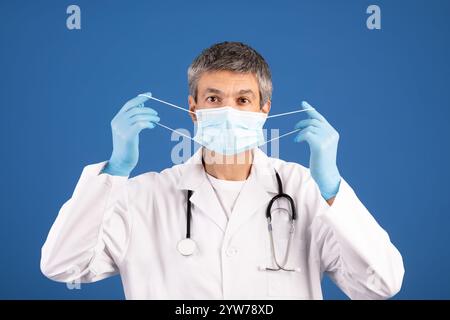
306 134
308 122
312 129
143 117
140 125
140 110
123 118
122 125
313 113
133 103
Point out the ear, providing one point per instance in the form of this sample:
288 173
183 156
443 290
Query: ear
266 107
192 107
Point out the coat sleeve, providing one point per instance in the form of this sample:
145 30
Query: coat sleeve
353 249
90 234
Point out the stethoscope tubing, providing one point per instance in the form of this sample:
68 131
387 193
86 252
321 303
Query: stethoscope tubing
280 195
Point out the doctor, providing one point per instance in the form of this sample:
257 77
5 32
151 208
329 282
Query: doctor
202 229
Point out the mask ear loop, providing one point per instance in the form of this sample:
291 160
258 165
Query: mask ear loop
284 114
290 112
177 132
149 96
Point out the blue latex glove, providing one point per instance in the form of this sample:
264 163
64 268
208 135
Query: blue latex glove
131 119
322 139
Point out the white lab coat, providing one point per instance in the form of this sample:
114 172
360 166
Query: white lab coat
132 226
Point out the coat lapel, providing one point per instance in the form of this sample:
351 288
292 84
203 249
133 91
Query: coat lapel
260 187
193 177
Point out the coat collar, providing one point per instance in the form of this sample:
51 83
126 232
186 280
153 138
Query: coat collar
193 173
260 187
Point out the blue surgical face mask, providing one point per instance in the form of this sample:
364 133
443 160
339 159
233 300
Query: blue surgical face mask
229 131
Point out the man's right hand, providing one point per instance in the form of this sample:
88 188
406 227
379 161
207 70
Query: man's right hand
131 119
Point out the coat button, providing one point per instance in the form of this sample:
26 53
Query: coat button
231 251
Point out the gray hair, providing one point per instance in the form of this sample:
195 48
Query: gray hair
232 56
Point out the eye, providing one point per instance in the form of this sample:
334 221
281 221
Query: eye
244 101
212 99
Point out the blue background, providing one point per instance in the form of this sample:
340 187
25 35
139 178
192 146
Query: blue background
387 93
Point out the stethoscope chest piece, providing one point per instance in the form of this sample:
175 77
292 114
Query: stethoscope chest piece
186 246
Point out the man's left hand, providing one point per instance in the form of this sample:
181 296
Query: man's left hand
322 139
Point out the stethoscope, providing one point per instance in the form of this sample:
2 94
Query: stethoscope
187 246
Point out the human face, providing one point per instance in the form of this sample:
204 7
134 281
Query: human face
217 89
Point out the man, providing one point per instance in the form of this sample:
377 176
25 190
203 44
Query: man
199 230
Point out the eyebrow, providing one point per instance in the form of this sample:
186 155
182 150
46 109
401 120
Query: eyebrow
241 92
248 91
213 90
